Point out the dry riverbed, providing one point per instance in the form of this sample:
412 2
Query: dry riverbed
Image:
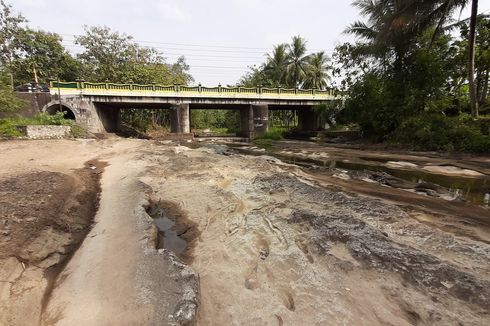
255 241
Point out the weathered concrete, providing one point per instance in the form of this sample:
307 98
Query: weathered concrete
102 113
180 119
247 121
45 131
86 113
109 117
261 118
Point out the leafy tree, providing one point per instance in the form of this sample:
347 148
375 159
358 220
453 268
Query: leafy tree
115 57
396 22
254 77
10 26
9 102
40 56
482 55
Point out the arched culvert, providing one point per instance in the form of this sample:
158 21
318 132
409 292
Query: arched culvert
67 112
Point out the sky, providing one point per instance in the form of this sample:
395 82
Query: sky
219 38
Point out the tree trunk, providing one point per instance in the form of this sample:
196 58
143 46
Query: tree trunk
471 59
483 95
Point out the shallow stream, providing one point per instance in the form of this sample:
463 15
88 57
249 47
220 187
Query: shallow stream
472 189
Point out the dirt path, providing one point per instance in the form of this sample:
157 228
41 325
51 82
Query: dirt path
267 244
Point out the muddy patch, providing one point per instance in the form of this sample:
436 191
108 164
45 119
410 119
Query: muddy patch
44 218
175 231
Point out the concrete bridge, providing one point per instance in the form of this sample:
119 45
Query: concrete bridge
97 105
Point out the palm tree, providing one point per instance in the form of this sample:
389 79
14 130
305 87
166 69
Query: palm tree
276 65
382 31
298 60
471 59
316 71
393 22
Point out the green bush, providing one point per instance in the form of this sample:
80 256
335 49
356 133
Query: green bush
8 126
263 142
274 133
438 132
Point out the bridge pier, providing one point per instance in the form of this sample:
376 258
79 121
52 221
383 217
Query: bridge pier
254 120
308 120
261 119
180 119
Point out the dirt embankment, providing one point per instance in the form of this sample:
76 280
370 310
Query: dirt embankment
45 217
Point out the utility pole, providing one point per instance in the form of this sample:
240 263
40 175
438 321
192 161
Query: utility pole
59 94
12 81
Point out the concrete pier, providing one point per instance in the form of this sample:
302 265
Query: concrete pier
261 119
180 119
308 120
246 121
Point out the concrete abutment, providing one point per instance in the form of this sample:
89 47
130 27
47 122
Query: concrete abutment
109 117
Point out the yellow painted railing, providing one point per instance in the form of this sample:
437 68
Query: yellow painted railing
220 90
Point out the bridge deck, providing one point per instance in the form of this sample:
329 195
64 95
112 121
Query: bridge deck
194 92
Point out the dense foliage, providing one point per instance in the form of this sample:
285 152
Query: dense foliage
9 102
406 79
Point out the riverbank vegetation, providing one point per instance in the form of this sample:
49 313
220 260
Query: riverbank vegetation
407 79
8 126
414 76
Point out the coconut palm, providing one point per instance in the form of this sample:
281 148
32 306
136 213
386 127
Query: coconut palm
276 65
396 22
426 13
316 71
298 61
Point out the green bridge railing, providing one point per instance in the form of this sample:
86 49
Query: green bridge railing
83 85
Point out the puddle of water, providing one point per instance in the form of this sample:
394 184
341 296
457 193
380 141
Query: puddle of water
167 235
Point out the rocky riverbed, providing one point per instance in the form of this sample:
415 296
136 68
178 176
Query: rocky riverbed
256 240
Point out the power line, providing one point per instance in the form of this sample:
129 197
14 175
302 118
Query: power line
166 54
206 46
220 67
197 50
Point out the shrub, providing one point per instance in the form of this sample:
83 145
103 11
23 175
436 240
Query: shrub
8 126
438 132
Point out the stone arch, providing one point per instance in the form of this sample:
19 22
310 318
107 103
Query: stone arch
54 106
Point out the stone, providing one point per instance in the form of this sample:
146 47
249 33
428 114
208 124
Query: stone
45 131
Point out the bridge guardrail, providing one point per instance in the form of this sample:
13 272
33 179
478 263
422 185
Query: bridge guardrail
81 86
